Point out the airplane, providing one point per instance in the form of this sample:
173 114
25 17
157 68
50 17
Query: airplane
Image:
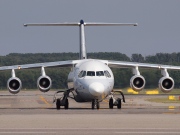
90 80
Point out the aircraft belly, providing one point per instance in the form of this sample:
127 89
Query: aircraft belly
83 95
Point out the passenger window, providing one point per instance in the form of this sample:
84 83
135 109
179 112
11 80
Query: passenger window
107 74
99 73
90 73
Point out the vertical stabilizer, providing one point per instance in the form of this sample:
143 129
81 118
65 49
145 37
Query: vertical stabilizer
81 24
82 52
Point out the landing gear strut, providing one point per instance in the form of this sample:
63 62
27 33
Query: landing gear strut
116 102
95 103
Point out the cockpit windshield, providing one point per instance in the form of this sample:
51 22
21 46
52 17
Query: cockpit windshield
90 73
93 73
99 73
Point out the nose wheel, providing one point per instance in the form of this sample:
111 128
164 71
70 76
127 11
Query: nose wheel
95 103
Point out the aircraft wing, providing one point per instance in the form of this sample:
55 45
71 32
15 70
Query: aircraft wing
124 64
46 64
137 81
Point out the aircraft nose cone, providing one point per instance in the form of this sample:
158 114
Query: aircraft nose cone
96 89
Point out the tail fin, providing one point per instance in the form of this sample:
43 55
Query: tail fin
81 24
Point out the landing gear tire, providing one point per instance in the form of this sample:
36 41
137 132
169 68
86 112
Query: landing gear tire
66 106
95 103
58 103
110 103
118 103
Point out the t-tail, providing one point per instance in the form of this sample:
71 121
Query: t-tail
81 24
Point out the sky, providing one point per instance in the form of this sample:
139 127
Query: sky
158 29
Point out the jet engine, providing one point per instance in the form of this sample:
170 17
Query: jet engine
166 84
14 85
137 82
44 82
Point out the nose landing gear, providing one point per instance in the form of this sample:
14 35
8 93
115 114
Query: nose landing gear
95 103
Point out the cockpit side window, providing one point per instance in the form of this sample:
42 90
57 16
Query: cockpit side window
99 73
82 74
107 74
90 73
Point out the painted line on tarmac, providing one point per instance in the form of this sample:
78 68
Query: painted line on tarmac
45 101
168 129
28 132
147 133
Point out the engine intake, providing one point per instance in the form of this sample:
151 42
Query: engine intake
14 85
137 82
166 84
44 83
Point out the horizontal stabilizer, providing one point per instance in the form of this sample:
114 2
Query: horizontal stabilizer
78 24
110 24
52 24
81 24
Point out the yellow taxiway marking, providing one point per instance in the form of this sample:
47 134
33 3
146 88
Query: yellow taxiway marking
172 107
106 101
152 92
45 101
172 97
130 90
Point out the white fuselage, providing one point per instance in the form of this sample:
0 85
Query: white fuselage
91 79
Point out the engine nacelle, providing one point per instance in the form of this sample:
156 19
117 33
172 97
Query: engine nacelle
44 83
137 82
166 84
14 85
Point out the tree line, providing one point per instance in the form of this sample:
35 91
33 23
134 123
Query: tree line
59 75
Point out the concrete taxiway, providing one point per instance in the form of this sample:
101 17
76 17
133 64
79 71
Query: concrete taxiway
32 112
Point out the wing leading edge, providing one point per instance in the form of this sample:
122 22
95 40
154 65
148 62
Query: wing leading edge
39 65
124 64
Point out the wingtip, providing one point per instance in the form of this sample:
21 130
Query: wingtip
136 24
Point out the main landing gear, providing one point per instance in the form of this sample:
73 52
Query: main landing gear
116 102
62 101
